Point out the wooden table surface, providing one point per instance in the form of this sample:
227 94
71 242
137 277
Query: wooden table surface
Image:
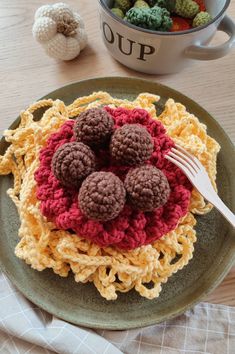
26 74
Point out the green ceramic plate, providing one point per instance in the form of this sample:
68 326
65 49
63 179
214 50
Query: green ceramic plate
81 303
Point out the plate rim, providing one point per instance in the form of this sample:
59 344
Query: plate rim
180 309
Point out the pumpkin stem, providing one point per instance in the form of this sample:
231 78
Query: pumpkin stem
67 25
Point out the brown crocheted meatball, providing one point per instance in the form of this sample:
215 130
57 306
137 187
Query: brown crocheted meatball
93 127
102 196
131 144
147 188
73 162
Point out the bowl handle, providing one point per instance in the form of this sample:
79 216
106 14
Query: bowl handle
202 52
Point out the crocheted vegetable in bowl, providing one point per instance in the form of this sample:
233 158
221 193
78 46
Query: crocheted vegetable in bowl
141 3
155 18
99 211
167 4
60 31
186 8
124 5
117 12
164 15
201 19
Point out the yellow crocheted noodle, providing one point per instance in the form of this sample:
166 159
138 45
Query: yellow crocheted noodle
111 270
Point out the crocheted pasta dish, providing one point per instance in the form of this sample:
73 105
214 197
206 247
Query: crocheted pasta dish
96 196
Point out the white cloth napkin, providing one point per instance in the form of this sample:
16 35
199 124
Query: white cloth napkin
25 328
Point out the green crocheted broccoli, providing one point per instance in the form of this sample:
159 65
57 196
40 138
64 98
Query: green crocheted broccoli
117 12
167 4
202 18
124 5
141 3
167 21
186 8
155 18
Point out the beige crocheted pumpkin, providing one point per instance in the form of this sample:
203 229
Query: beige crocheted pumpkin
60 31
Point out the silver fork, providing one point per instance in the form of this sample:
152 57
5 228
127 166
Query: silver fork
198 176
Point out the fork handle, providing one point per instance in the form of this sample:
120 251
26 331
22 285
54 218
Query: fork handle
224 210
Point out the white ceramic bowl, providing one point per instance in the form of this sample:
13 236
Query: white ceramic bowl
155 52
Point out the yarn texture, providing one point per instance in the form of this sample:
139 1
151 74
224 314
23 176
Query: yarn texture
201 19
154 18
147 188
60 31
73 162
44 246
131 144
141 3
124 5
186 8
93 127
117 12
131 228
102 196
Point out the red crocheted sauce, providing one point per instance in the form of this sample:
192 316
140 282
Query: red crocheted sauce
131 228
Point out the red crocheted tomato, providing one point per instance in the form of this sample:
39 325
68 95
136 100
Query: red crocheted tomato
179 24
201 4
131 228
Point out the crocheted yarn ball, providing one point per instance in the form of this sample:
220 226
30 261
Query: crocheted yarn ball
73 162
147 188
131 145
102 196
93 127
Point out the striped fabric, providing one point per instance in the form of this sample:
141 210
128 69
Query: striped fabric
25 328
